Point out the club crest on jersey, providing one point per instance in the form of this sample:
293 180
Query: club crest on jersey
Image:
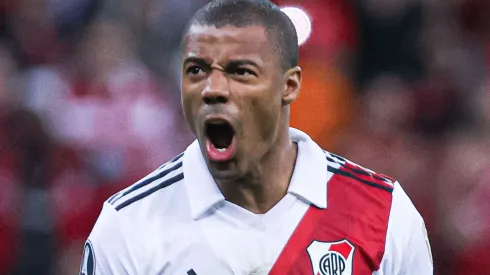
331 258
88 260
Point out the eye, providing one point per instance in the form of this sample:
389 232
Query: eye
194 70
244 72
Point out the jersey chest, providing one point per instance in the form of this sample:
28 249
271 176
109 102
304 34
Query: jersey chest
346 238
219 244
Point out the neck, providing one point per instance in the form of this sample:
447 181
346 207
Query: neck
267 182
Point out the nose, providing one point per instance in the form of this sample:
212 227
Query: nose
216 90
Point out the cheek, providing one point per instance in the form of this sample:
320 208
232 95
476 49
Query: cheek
188 100
265 118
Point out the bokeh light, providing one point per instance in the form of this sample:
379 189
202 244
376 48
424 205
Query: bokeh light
301 22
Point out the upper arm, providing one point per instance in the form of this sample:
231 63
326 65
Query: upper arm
407 249
106 250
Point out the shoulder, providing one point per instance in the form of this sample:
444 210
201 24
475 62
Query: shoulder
368 181
159 182
405 221
404 217
407 249
379 202
359 193
365 178
127 223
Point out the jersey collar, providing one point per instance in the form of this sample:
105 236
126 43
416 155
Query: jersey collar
308 183
310 176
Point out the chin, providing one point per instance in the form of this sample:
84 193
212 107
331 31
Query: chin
225 177
224 171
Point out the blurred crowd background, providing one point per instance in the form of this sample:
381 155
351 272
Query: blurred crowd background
90 102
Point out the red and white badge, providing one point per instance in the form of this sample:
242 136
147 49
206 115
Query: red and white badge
331 258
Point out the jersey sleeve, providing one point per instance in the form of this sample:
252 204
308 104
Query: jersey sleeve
106 251
407 249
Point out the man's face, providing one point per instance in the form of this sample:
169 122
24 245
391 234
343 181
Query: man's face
232 89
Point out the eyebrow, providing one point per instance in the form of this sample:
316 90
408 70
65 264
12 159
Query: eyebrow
231 63
196 60
241 62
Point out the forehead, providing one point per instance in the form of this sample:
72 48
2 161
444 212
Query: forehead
228 43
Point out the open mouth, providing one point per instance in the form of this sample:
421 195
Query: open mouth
220 134
220 143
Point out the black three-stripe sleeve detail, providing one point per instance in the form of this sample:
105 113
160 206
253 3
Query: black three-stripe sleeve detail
112 197
350 175
150 191
360 171
333 160
176 158
366 173
145 182
338 157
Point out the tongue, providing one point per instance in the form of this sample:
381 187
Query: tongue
220 154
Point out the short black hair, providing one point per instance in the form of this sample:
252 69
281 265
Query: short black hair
245 13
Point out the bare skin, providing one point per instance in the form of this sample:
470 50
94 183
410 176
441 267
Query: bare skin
233 74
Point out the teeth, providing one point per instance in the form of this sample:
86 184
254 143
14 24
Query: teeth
221 150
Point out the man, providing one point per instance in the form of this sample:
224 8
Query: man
251 195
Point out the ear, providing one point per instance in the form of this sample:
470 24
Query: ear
292 85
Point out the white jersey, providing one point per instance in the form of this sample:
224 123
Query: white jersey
336 219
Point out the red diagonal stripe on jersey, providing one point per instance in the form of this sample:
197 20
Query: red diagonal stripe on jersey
343 248
297 243
356 212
